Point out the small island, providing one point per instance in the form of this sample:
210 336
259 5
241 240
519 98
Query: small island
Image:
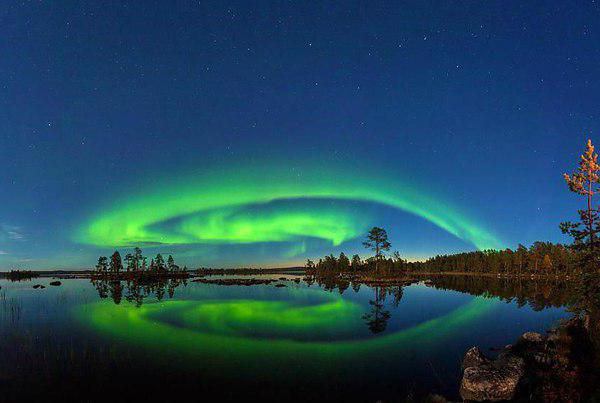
137 267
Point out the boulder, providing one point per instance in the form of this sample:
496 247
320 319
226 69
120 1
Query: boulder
55 283
39 286
473 358
531 337
536 368
491 380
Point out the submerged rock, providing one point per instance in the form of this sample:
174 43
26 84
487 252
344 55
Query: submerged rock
39 286
492 380
55 283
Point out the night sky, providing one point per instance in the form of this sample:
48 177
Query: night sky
262 133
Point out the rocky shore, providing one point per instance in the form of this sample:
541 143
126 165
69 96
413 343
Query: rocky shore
558 367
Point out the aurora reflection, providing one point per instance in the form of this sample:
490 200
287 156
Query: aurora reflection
241 333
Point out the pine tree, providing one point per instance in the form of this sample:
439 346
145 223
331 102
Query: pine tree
521 254
343 262
377 241
356 263
585 182
138 259
547 263
171 263
399 263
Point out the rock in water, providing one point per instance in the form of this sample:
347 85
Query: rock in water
531 337
55 283
491 380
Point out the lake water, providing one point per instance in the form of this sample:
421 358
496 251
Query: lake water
304 341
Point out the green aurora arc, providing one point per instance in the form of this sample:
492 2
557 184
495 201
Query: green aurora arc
225 208
215 331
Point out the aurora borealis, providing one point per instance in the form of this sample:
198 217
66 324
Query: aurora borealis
260 135
247 205
294 200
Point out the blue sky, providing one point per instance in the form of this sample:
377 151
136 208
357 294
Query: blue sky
478 105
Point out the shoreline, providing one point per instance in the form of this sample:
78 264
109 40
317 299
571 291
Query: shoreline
367 276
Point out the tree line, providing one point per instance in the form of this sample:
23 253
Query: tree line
137 263
377 241
580 257
540 258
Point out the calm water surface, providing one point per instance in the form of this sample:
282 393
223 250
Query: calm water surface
298 342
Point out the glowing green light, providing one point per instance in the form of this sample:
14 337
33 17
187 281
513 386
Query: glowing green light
234 207
231 332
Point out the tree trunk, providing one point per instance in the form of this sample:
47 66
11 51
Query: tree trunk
590 226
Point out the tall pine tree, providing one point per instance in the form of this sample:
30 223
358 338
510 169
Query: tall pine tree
377 241
585 182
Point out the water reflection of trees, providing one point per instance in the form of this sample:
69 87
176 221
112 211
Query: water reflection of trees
135 291
377 319
537 293
378 316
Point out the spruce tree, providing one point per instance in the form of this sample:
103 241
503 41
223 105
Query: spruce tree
116 265
160 263
129 262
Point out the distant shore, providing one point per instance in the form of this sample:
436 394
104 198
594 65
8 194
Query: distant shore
363 275
87 273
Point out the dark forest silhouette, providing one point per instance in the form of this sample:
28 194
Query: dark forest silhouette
581 258
136 265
